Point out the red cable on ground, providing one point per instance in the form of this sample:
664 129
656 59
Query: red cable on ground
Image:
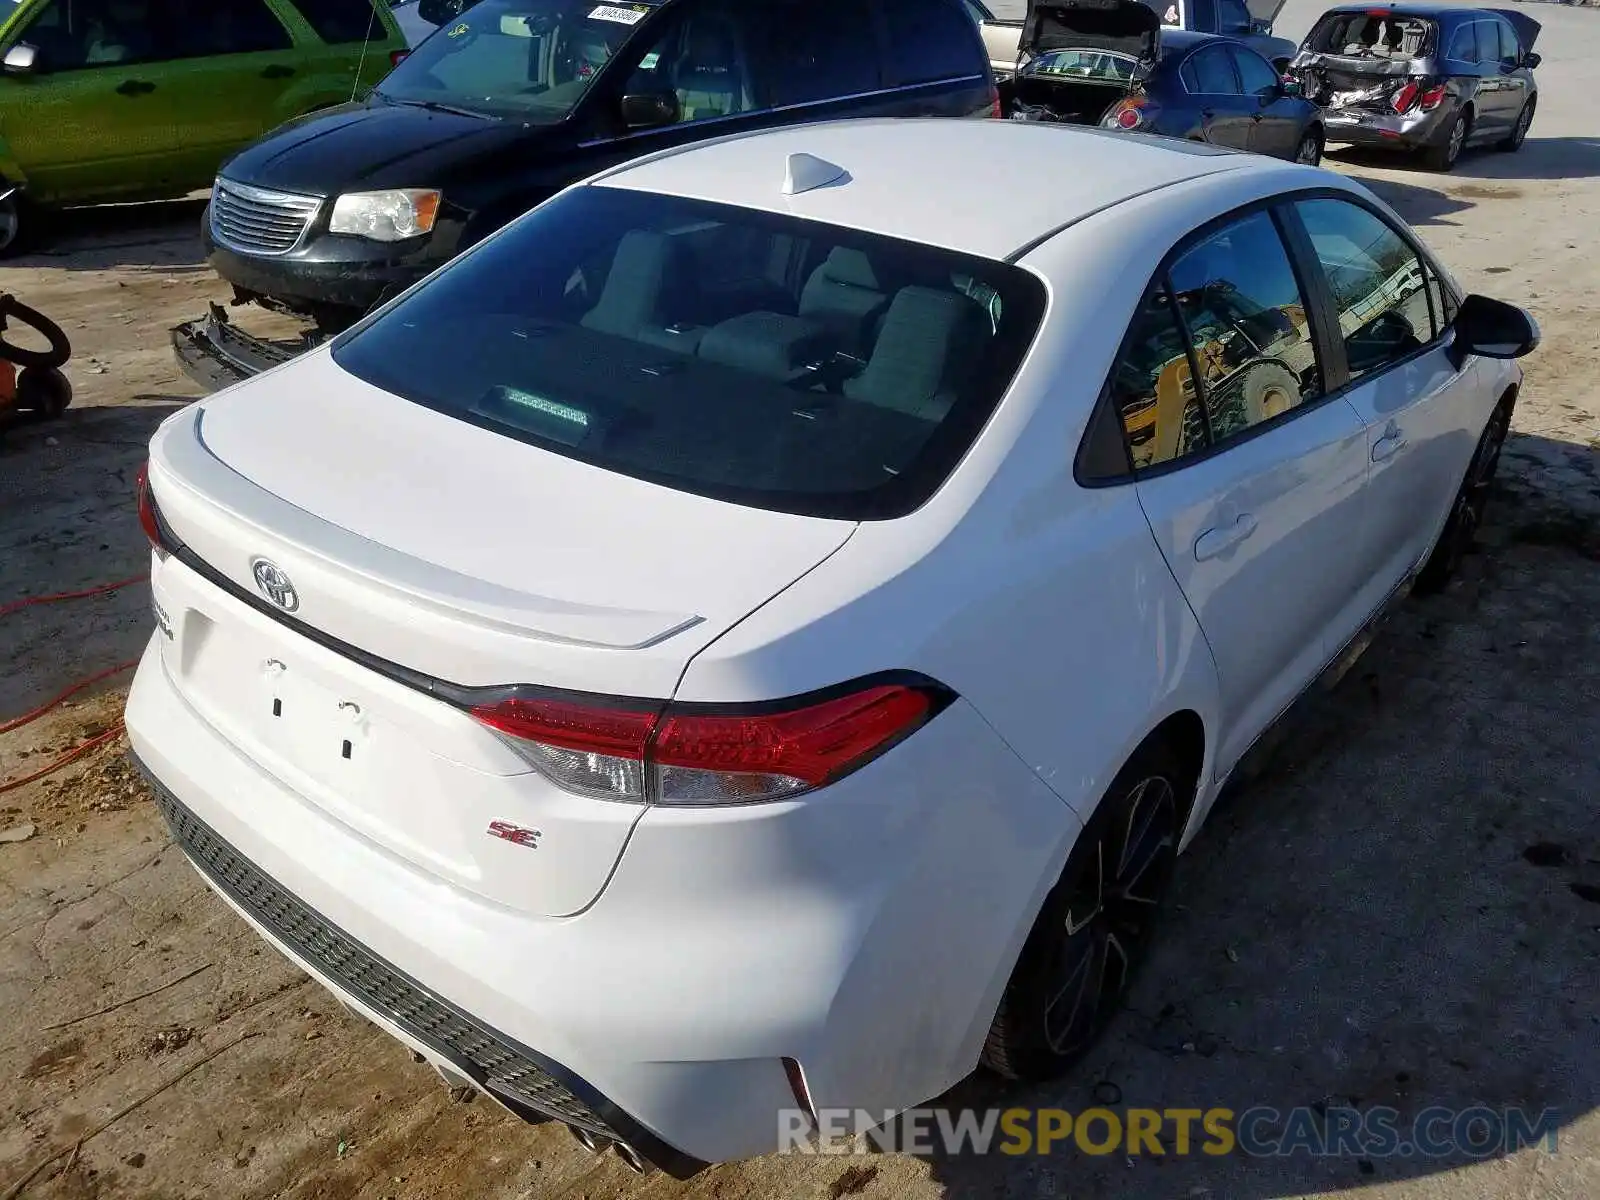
99 739
29 602
26 717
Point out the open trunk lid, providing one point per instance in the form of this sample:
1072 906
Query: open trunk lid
1264 10
333 633
1126 27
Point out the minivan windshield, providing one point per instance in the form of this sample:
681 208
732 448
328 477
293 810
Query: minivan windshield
527 59
748 356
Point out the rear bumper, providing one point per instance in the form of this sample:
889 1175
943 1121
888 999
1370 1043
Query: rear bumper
867 935
1413 131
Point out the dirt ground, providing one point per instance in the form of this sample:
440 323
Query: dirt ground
1402 911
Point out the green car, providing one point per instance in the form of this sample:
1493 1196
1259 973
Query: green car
118 100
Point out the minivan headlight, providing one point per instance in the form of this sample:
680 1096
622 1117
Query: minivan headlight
388 216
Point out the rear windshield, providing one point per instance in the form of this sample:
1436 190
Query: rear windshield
751 357
1374 34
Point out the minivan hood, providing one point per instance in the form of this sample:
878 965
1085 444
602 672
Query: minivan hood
1121 26
371 144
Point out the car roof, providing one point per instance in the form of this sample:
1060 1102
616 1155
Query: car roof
1433 11
985 187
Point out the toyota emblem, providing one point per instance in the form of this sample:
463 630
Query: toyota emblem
275 585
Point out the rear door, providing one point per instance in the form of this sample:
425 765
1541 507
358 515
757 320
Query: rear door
1250 475
234 67
1422 409
1227 116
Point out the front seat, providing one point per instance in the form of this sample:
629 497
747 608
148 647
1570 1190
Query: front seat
707 78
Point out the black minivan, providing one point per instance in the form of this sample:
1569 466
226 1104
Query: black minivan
512 100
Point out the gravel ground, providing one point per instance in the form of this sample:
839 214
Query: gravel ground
1362 924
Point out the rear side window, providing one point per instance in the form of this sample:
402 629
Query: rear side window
1210 73
930 40
1488 33
1464 43
742 355
1378 283
812 50
339 21
1221 345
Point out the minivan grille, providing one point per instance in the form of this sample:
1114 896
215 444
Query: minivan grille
476 1050
258 221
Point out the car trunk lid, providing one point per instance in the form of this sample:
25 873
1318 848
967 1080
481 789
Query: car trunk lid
337 635
1126 27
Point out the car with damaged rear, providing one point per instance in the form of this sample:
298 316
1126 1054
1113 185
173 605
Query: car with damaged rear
1430 80
1114 64
513 100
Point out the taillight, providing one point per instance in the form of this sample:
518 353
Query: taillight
994 102
396 57
694 754
1433 97
161 541
1405 97
1128 114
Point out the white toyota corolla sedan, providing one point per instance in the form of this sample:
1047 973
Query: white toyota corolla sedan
755 634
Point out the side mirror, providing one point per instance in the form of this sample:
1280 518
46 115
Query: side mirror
1494 329
21 60
440 12
646 110
1531 60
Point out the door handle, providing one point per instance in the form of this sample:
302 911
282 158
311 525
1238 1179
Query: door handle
277 71
1214 542
1386 447
1208 113
135 87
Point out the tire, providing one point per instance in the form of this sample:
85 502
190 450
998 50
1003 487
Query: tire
1309 151
1519 131
44 391
15 224
60 348
1094 926
1466 511
1443 156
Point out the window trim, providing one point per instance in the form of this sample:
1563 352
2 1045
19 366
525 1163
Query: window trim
1321 314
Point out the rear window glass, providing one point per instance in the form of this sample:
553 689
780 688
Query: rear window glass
747 356
1375 34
